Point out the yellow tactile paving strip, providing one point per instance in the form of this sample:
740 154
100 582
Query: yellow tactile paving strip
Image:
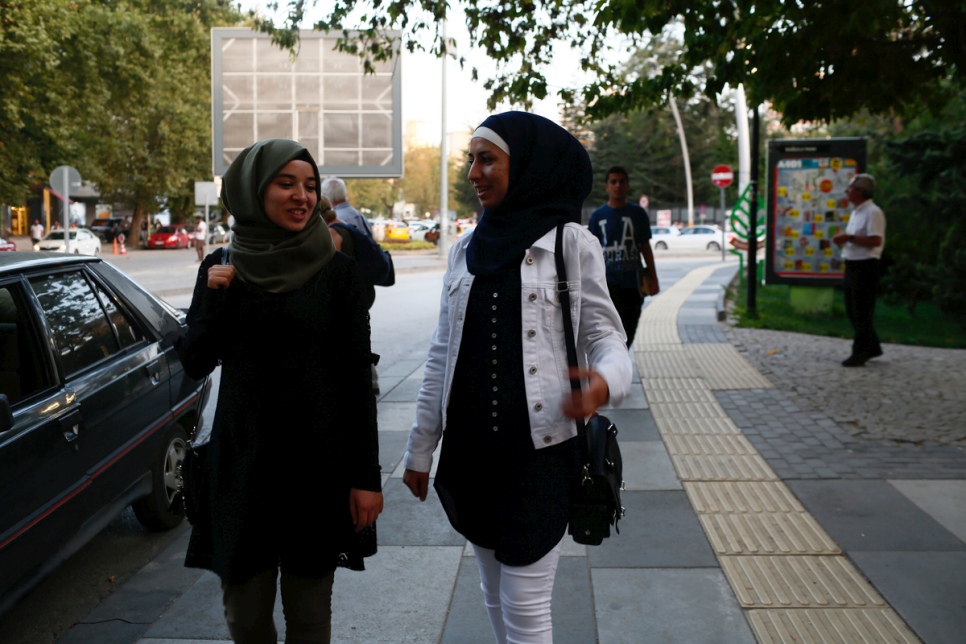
855 626
786 572
803 582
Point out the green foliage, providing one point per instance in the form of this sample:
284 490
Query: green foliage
120 89
924 184
393 246
646 143
812 60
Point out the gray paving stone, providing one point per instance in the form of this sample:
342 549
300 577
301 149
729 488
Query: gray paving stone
927 589
406 521
395 416
198 614
660 530
405 391
634 424
404 590
635 400
392 446
659 605
788 440
944 501
647 466
467 622
571 606
872 516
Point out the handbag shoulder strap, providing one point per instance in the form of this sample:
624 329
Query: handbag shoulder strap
563 292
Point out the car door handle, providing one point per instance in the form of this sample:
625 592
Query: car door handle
154 372
71 426
71 433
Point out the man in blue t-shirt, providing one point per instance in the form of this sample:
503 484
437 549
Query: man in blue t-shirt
624 231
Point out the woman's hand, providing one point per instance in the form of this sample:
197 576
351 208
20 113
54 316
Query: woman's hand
220 276
583 403
417 482
364 506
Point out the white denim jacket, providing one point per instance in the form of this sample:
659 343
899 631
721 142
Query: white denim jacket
601 343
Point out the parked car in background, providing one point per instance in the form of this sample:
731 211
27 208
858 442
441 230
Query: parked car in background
396 231
660 235
422 229
78 241
695 239
218 235
169 237
109 228
95 410
7 245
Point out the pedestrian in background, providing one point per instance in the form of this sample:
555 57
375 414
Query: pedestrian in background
862 244
36 232
292 473
624 232
333 188
201 236
496 386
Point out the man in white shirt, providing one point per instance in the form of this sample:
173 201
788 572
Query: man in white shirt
201 236
862 242
36 232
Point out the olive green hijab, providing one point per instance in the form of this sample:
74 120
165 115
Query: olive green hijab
263 254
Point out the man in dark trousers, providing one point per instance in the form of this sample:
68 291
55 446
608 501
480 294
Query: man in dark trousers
624 232
862 244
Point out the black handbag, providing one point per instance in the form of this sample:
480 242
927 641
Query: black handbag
595 500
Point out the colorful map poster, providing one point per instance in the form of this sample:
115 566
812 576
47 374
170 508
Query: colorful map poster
807 207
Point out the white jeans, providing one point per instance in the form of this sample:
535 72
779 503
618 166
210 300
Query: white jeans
517 598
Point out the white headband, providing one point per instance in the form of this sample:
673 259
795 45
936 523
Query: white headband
492 137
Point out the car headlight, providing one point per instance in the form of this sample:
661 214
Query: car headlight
36 246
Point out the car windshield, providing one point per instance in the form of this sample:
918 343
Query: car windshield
59 235
167 230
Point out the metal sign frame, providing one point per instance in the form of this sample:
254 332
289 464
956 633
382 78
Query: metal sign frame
807 207
351 122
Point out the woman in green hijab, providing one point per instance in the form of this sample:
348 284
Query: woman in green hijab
292 473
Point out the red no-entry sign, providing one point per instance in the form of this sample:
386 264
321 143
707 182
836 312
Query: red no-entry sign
722 176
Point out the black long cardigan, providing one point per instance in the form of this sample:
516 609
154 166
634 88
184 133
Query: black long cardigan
295 426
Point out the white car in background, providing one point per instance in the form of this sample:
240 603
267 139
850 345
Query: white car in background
695 239
661 234
80 241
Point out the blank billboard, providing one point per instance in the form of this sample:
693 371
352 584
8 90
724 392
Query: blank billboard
350 121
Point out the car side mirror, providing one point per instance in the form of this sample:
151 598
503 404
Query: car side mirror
6 416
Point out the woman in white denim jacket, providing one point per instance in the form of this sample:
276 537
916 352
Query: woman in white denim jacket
496 387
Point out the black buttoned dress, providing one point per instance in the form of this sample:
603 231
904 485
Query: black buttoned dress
497 489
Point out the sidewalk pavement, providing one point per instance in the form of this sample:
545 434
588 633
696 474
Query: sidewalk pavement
752 515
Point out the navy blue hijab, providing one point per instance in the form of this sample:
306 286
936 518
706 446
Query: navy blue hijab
550 176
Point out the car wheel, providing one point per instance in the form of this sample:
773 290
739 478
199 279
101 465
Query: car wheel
97 251
660 245
714 246
163 508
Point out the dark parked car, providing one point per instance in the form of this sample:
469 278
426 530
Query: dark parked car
95 410
109 228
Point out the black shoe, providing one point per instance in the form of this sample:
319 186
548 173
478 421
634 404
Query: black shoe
853 361
875 353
